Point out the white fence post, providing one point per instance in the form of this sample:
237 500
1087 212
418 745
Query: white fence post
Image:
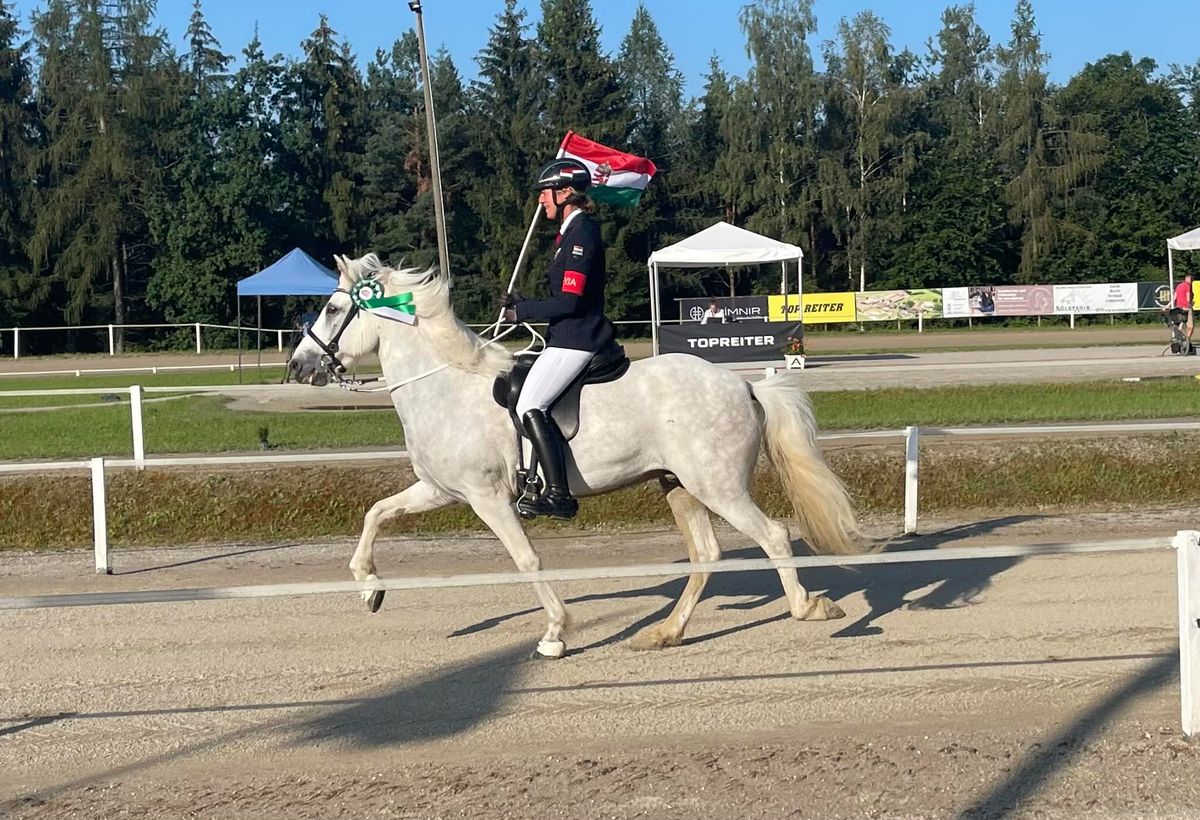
1187 547
920 321
112 345
100 518
16 342
135 418
279 334
912 436
1072 321
197 337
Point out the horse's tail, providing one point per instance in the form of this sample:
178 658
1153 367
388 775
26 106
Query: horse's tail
818 496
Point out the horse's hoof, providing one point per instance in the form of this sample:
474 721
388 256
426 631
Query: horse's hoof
373 598
823 609
653 638
549 651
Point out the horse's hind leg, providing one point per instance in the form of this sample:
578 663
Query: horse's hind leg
498 514
692 518
419 497
742 513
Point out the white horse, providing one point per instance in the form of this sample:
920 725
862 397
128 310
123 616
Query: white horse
695 427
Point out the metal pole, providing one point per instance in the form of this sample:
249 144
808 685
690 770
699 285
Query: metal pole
434 162
100 518
239 335
258 345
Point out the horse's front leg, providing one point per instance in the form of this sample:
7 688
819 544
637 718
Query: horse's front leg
419 497
497 512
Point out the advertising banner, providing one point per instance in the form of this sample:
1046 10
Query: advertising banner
737 308
882 305
1153 295
997 300
1099 298
738 342
818 307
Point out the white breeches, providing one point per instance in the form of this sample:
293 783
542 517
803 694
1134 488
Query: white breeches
555 368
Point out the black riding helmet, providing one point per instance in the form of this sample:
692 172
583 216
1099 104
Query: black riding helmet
564 173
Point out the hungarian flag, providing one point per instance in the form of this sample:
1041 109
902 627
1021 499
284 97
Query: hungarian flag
617 178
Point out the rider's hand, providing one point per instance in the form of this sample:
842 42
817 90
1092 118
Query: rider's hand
510 315
511 298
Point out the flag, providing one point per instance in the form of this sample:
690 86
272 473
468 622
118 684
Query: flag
617 178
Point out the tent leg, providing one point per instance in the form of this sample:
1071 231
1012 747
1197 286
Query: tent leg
239 335
1171 275
259 344
650 273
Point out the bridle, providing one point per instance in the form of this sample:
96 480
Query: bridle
329 350
337 370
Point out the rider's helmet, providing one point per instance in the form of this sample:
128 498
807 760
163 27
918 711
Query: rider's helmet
564 173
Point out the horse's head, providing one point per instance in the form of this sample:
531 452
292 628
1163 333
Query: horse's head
340 335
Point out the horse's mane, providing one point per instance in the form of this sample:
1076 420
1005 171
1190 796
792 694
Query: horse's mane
436 321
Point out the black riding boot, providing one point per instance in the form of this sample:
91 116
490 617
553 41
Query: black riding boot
556 501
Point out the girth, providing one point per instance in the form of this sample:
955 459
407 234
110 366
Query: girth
607 365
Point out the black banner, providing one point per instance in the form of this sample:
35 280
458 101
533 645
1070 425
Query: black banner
736 342
737 308
1153 295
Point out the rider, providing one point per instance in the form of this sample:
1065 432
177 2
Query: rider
578 328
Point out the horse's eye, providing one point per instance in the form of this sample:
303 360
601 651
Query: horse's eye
332 310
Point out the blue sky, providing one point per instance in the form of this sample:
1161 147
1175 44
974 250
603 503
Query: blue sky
1073 31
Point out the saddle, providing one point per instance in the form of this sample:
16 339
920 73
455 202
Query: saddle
606 366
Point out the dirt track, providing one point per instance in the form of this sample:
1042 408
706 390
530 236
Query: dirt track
952 689
1042 687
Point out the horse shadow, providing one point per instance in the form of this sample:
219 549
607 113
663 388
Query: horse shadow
886 587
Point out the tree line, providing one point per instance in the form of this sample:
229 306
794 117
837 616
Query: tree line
139 182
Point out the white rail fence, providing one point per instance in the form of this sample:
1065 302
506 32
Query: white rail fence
198 328
98 466
1186 543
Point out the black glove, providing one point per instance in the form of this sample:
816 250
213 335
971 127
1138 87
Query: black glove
512 298
510 316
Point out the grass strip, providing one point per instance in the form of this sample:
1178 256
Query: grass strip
265 505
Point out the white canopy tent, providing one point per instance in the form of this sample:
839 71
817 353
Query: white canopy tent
1189 241
720 245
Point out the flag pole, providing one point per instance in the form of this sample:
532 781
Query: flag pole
537 215
512 282
439 206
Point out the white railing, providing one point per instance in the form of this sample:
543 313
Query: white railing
112 329
99 465
1186 543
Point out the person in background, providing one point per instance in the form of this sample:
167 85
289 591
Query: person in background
1184 298
713 312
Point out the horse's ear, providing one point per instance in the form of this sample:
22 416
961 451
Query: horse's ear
343 266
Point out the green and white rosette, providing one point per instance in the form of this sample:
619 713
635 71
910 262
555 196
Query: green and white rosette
367 294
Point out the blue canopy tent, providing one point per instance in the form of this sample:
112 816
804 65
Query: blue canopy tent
295 274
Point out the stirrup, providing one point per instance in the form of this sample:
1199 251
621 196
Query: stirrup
553 505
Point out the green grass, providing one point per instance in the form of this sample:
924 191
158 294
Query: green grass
204 425
265 505
120 382
1007 404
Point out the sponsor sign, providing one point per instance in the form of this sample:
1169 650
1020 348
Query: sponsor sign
1153 295
998 300
737 342
1100 298
883 305
737 308
812 308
